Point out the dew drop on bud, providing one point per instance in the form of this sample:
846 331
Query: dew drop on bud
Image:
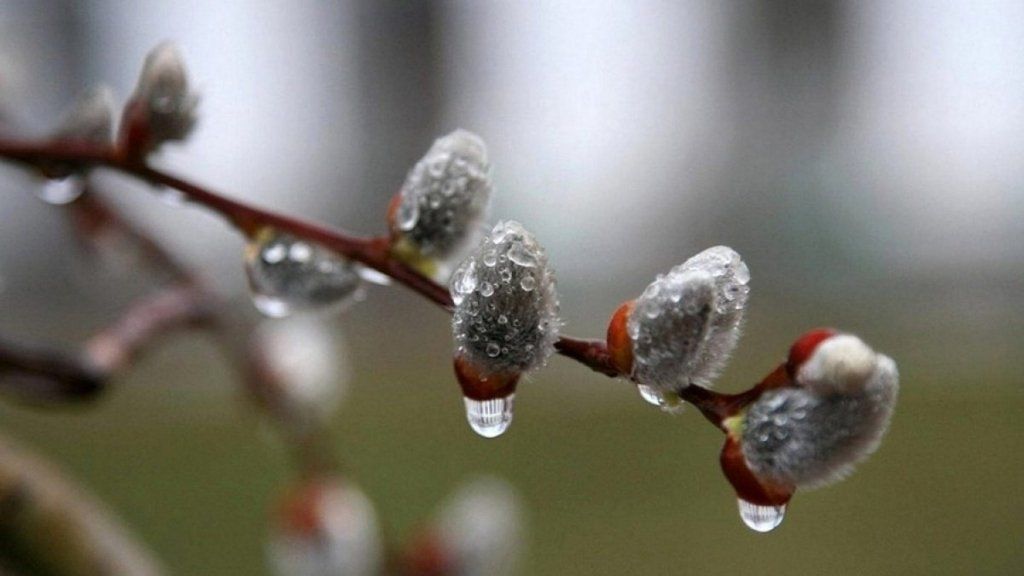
665 400
490 418
288 274
60 191
761 518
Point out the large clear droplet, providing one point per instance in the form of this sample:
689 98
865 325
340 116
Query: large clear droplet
61 190
761 518
490 418
668 402
288 274
408 213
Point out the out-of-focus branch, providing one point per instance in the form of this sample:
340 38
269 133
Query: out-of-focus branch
97 223
50 526
45 375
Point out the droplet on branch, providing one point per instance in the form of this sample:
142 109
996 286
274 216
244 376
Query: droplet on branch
288 274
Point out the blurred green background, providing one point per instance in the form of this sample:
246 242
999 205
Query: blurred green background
865 159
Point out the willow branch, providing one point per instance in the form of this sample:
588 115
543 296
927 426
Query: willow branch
50 526
374 252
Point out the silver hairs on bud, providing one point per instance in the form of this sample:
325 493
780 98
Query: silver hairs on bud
506 305
686 323
164 91
810 437
91 119
445 196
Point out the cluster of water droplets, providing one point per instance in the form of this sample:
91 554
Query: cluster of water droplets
506 315
287 274
445 195
761 518
686 323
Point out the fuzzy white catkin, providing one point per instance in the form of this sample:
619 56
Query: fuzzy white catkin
163 89
811 436
305 360
345 541
91 119
506 305
481 524
446 195
687 322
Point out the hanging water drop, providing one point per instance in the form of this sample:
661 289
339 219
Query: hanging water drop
668 402
60 191
288 274
408 213
489 418
761 518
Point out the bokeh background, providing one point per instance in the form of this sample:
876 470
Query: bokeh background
866 158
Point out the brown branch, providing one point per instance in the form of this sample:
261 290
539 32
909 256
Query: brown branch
41 374
48 525
97 222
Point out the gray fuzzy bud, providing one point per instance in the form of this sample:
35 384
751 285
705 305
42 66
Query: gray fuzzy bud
506 306
163 90
686 323
809 437
91 119
445 195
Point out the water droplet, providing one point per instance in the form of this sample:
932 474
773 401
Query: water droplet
667 402
490 418
60 191
486 290
742 273
493 350
288 274
464 281
490 258
408 213
502 319
761 518
374 277
651 395
521 256
528 283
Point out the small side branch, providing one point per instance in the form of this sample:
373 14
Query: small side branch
41 374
